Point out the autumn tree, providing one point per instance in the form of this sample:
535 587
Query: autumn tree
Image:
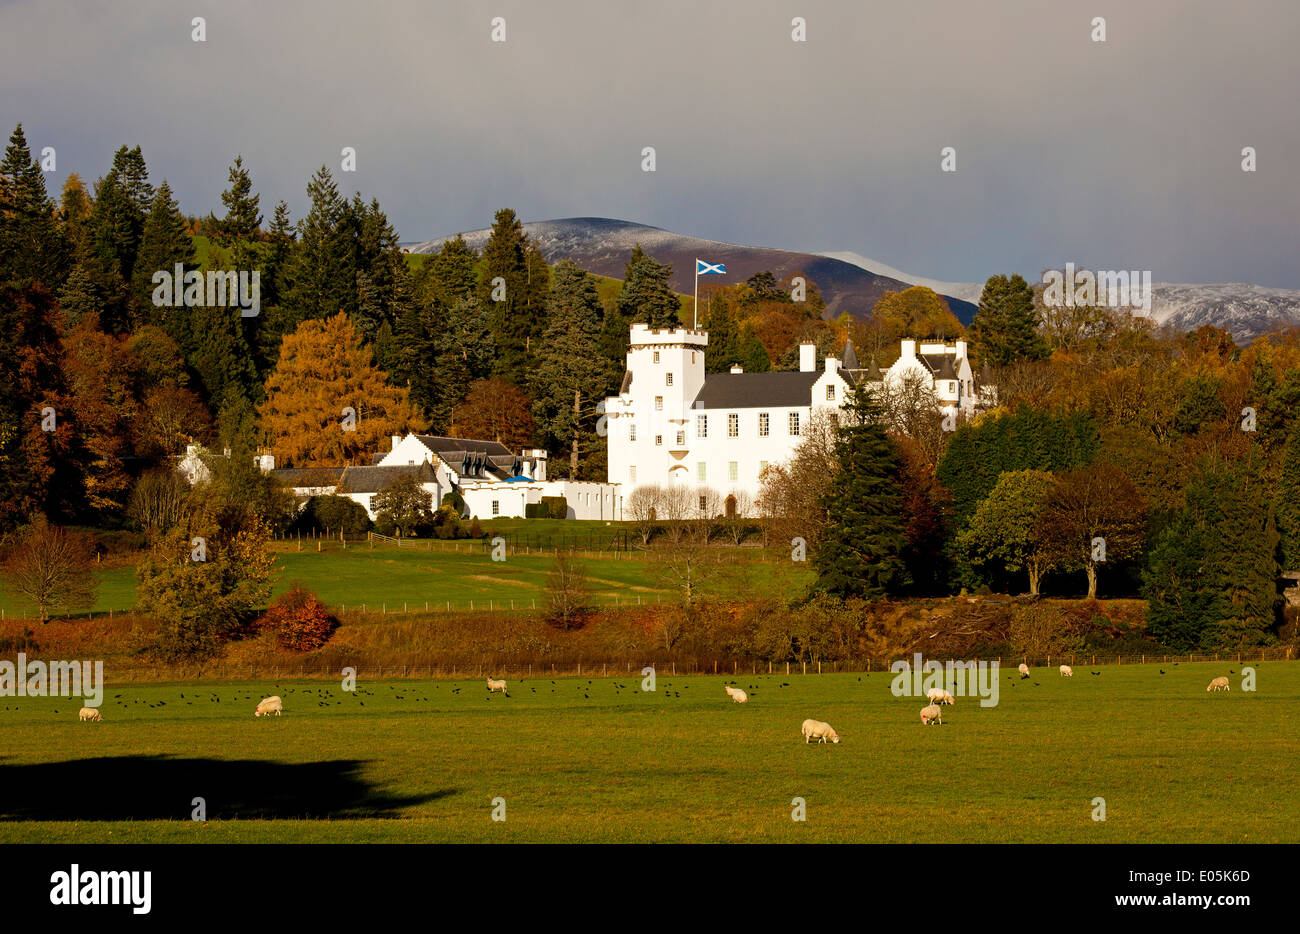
52 569
1093 515
568 593
916 312
404 505
326 401
496 410
1007 531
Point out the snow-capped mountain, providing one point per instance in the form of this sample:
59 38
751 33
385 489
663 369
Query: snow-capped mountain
602 245
854 283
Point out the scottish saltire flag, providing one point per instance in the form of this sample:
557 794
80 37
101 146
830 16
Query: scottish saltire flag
709 269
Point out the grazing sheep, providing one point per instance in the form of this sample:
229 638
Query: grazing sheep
1024 670
1218 684
939 696
1067 671
90 713
816 729
269 705
739 696
931 714
496 685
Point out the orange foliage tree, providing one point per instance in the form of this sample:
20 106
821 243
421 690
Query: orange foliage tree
326 401
299 622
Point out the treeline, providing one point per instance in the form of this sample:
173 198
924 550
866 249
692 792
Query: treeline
1119 457
350 333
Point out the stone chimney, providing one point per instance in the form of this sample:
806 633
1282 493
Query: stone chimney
909 348
832 364
807 357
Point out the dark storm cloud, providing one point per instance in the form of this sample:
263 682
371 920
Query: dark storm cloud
1120 155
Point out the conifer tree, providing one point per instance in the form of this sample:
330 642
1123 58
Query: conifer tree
646 295
1211 579
323 270
1286 504
1005 329
164 242
323 370
570 375
861 551
31 244
239 228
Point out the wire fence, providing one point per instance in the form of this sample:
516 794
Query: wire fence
636 668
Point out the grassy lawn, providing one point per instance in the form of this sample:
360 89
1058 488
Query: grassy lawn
387 575
578 760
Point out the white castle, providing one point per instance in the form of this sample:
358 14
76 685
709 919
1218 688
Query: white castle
673 424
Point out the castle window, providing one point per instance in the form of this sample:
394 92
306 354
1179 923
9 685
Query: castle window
659 403
668 379
733 471
659 439
631 474
656 356
681 437
794 424
631 432
496 507
830 392
702 472
733 425
704 502
701 426
764 424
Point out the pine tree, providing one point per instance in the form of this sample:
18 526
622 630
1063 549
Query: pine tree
724 342
116 228
1211 580
239 228
570 377
506 288
1286 504
323 370
75 208
646 295
164 243
31 244
323 271
1005 328
79 297
860 553
451 271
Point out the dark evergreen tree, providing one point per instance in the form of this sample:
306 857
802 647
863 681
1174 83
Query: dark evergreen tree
646 295
116 228
32 246
1211 579
238 230
570 377
1286 504
1005 328
724 341
323 273
861 551
164 243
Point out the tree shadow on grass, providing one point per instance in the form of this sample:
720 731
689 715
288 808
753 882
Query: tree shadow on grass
163 788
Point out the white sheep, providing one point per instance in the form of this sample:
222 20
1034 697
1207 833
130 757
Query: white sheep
1024 670
496 685
90 713
739 696
1067 671
269 705
816 729
939 696
931 714
1219 684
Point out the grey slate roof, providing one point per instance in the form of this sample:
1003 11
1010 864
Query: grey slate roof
850 361
782 389
374 479
299 477
438 444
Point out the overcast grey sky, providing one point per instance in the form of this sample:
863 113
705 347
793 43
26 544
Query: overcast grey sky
1123 154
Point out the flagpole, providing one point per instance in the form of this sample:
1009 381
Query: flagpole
695 307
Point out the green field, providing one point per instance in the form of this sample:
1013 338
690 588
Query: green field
578 760
388 576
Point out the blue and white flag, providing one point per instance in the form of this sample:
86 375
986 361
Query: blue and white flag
709 269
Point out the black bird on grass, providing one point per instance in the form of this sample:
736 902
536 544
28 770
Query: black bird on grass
1094 672
1162 671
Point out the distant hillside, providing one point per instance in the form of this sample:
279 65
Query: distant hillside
602 246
